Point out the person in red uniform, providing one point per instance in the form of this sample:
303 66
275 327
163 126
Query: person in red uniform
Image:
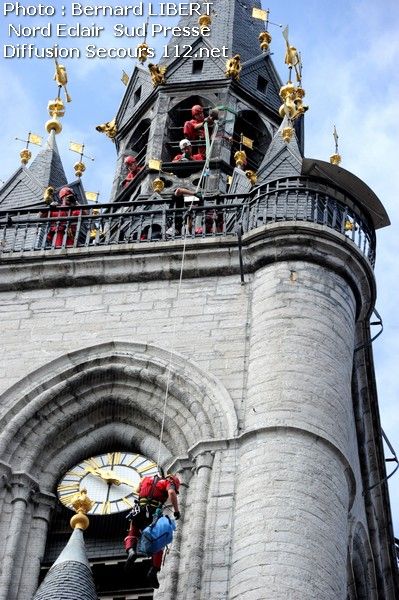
194 128
56 232
153 493
133 169
187 152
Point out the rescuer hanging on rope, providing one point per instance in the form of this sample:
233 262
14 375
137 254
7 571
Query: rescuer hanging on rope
153 493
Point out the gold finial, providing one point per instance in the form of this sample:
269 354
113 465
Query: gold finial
233 67
287 134
252 176
26 154
80 168
204 21
264 39
110 129
291 95
240 158
158 185
335 159
56 110
48 194
157 74
61 78
82 504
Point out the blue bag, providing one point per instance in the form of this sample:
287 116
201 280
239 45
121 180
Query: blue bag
157 535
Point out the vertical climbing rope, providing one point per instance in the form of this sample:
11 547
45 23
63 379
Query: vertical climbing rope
209 147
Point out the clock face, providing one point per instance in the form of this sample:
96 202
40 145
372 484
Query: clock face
111 481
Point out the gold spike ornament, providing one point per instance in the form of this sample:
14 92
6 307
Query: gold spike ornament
82 504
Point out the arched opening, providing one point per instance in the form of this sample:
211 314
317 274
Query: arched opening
249 126
98 400
177 117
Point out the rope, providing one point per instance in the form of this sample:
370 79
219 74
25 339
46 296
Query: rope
209 148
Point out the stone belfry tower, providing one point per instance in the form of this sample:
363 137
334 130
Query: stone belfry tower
227 340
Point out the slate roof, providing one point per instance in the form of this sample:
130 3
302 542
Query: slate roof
26 185
70 577
232 26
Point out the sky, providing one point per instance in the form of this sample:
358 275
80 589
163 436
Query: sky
350 53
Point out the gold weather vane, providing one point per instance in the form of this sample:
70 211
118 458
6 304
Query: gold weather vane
61 78
79 167
25 153
264 37
335 159
291 95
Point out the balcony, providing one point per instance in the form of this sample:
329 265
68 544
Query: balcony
293 201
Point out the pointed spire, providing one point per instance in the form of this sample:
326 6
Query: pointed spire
47 167
282 159
70 576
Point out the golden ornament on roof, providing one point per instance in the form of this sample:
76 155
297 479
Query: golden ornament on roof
25 155
287 134
56 108
82 504
252 176
143 49
158 185
335 159
265 38
61 78
80 168
48 194
204 21
233 67
110 129
157 74
240 158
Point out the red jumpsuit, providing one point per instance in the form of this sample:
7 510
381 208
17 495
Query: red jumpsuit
194 135
179 157
131 175
57 229
151 497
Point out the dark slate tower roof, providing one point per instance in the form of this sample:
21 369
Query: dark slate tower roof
70 577
26 186
282 159
47 166
232 26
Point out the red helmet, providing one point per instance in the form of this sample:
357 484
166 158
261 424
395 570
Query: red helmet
175 480
130 160
197 109
65 191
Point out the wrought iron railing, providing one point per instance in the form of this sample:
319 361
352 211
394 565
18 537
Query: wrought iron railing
294 200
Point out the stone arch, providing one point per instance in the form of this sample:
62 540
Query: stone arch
362 583
82 401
